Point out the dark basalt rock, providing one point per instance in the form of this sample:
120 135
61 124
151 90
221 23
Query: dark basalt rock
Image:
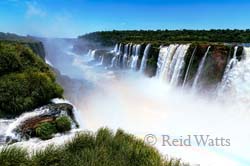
26 130
152 61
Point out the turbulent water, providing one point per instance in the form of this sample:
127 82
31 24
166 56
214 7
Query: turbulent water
141 106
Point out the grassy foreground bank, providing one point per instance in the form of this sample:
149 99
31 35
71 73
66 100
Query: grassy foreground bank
104 148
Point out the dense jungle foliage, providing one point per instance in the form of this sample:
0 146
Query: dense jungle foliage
159 37
26 82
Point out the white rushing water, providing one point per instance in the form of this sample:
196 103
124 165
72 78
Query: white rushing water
125 56
164 60
225 80
178 66
91 54
8 127
237 80
171 63
135 57
10 130
117 53
200 70
145 58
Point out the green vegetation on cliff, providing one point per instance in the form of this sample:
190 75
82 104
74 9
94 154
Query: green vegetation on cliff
109 38
26 82
32 43
101 149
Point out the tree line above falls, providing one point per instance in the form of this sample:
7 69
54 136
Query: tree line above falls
158 37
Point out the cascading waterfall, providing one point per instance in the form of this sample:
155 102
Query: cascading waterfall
145 58
189 65
164 60
91 54
171 63
117 52
200 70
179 65
135 57
125 56
237 80
102 60
229 66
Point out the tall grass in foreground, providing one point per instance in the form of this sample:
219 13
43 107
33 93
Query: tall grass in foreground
103 148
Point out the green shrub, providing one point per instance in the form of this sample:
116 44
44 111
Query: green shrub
45 130
63 124
26 82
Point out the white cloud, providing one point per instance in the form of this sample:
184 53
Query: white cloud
34 10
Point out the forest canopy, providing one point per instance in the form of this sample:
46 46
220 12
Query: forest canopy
108 38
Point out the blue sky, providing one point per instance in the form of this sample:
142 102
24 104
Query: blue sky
70 18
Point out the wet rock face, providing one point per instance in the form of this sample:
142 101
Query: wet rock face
152 62
215 65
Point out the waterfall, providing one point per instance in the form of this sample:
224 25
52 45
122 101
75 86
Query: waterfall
102 60
189 65
145 58
200 69
125 56
116 52
48 62
229 66
113 61
171 63
164 60
179 64
135 57
91 54
237 79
